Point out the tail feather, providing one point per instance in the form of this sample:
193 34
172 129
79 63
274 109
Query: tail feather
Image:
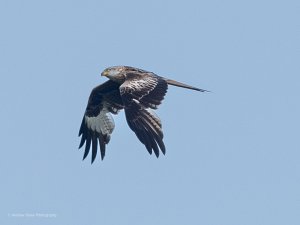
178 84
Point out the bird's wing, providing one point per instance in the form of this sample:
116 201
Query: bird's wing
97 123
140 94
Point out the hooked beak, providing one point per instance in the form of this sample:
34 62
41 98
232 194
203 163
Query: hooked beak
104 73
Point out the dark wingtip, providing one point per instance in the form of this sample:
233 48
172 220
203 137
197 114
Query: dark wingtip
102 156
102 153
163 150
79 147
102 146
82 141
94 147
84 156
80 131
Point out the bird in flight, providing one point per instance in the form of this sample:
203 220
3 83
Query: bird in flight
136 91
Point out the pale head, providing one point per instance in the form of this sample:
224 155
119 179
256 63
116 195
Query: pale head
115 73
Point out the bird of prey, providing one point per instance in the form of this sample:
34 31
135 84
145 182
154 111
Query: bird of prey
136 91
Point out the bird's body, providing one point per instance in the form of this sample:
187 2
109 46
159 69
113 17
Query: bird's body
136 91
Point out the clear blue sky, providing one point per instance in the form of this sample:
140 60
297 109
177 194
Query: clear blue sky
233 155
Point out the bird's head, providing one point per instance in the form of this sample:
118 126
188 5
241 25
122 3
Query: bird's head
115 73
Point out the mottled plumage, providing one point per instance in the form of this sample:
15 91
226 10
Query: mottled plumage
136 91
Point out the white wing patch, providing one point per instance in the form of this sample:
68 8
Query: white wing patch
103 123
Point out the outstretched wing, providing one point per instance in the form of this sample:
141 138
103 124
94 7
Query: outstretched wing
142 92
97 123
